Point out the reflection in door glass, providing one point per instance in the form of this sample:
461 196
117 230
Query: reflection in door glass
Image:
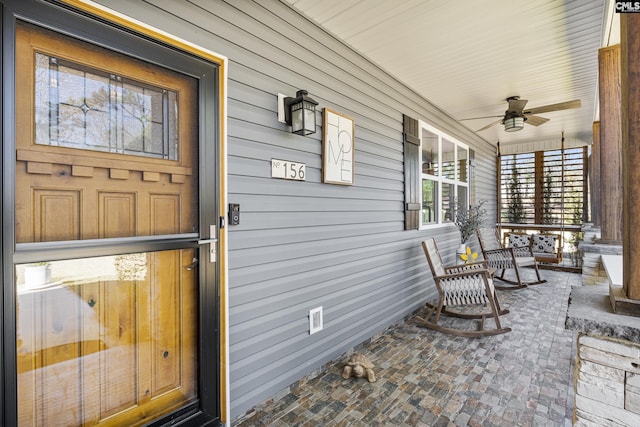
108 339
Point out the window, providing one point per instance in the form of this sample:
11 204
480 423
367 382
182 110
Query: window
444 176
518 177
436 175
79 106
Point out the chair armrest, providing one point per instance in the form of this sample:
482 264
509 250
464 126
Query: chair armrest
474 284
466 267
469 273
505 252
523 251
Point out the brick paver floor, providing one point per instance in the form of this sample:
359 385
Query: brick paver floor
427 378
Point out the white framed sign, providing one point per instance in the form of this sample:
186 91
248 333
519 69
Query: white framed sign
337 148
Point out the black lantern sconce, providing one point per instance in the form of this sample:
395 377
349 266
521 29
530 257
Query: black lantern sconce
300 113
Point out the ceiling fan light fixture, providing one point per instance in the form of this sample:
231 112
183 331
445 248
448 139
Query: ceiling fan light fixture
513 124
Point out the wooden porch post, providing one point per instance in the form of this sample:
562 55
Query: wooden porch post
610 145
630 82
594 176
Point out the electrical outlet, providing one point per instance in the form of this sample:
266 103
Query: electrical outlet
315 320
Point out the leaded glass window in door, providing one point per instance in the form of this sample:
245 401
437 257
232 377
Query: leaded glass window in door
78 106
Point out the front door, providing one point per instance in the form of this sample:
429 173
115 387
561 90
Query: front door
106 151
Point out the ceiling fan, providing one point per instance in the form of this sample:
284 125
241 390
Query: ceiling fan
516 116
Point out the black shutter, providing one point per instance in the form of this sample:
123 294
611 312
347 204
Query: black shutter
412 193
471 175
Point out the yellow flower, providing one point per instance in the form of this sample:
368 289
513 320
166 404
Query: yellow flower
469 257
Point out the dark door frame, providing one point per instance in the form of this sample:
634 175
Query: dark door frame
117 36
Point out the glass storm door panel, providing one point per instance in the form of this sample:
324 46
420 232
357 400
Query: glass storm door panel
106 340
106 147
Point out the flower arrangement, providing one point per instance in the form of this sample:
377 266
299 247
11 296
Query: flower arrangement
469 257
39 264
469 220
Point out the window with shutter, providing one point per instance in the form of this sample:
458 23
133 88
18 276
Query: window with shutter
436 175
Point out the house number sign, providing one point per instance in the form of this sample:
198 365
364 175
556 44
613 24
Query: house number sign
285 169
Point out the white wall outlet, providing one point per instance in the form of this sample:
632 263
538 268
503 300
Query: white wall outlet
315 320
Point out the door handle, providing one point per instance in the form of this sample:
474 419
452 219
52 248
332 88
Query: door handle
205 241
212 247
211 242
192 265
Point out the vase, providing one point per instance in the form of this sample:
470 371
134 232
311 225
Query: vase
462 249
37 275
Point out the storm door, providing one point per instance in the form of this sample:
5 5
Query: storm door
106 160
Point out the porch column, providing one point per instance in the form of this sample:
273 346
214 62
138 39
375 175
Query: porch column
610 145
594 176
630 86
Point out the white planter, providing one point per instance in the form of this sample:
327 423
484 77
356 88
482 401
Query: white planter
462 249
37 275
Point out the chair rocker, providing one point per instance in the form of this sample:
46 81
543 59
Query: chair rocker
461 285
503 259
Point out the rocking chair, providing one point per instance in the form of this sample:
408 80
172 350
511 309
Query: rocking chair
461 285
503 259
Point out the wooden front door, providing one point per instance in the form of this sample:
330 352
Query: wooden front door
106 148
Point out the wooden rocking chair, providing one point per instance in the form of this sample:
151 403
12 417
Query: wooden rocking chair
461 285
503 259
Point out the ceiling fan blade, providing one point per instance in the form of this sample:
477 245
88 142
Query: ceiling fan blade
567 105
516 105
484 117
489 125
535 120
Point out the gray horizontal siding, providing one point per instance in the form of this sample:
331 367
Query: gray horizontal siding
304 244
275 237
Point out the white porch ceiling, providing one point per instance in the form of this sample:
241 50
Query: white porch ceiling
468 56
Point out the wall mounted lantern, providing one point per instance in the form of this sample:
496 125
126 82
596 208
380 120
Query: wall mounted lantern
300 112
513 124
